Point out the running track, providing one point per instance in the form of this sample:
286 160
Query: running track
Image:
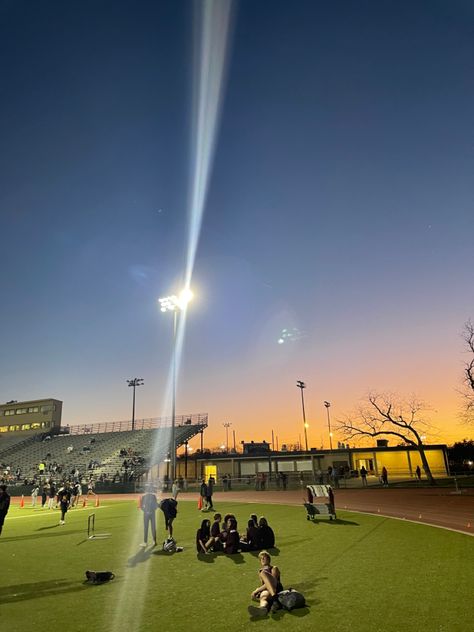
437 507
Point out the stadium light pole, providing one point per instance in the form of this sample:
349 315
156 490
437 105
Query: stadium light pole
134 382
328 405
175 304
227 425
300 384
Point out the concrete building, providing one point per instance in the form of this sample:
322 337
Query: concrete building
38 415
400 461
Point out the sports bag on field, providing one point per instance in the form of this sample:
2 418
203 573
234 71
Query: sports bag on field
291 599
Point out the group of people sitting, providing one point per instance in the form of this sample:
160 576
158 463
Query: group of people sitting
223 535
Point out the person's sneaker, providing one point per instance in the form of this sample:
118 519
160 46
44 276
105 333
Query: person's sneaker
257 611
143 545
275 607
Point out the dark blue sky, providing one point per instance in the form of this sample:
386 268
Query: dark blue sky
340 204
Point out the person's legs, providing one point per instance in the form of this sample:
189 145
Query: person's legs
153 527
146 521
170 526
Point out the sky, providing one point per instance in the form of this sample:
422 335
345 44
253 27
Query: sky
339 208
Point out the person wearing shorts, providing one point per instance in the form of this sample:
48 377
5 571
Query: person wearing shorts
270 586
169 508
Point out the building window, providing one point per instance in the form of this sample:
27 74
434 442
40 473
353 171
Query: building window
21 411
34 409
26 427
3 428
46 409
13 428
9 412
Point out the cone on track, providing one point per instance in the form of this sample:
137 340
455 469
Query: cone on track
200 502
378 510
97 503
419 517
139 504
22 501
84 502
468 525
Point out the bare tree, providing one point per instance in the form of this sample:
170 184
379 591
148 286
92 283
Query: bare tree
384 415
467 413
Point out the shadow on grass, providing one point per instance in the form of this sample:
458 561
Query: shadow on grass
282 614
36 536
237 558
37 590
142 556
337 521
209 558
274 552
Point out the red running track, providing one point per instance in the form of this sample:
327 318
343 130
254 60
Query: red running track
438 507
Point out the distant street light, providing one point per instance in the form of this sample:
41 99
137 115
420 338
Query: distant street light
302 386
227 425
136 381
174 304
328 404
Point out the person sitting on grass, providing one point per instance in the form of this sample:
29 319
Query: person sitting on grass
232 541
250 541
270 586
216 533
254 518
265 535
203 537
225 528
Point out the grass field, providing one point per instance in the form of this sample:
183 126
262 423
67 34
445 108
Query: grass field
362 573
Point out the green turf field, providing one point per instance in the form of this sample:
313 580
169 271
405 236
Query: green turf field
362 573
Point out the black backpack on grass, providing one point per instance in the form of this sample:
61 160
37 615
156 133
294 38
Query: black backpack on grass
99 577
291 599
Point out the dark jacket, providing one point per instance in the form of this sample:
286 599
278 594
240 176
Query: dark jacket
4 503
266 537
169 506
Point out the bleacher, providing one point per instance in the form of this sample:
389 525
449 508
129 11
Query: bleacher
76 451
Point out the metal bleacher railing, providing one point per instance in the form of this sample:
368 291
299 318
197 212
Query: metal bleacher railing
140 424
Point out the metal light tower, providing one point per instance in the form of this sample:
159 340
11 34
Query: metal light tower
227 425
134 382
328 404
174 304
300 384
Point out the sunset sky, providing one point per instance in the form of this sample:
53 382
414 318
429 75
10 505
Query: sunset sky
339 209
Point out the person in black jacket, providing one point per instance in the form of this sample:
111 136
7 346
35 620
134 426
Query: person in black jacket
169 508
232 542
4 505
64 499
250 541
265 535
203 537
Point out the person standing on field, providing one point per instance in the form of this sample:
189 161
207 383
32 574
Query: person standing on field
64 498
149 505
4 505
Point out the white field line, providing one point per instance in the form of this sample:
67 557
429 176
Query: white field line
55 512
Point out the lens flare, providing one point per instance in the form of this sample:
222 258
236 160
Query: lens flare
213 28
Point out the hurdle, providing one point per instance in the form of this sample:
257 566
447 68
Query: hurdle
91 534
